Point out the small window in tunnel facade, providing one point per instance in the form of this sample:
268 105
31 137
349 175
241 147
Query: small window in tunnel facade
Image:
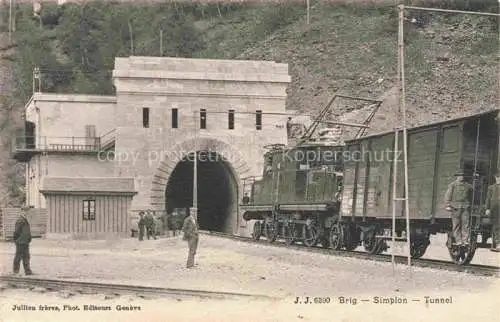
231 120
175 118
203 119
145 117
258 120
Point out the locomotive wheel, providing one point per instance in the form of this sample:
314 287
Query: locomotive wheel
289 233
310 236
336 237
270 232
257 230
418 247
462 255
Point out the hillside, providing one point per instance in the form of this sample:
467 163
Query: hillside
451 60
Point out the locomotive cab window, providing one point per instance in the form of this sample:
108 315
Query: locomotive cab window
89 209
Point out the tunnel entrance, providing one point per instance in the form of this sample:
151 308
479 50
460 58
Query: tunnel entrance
217 191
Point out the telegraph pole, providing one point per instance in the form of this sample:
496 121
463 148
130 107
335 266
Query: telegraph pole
307 11
194 209
10 20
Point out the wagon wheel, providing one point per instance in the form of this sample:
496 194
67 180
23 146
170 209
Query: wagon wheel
336 237
289 233
257 230
310 235
372 245
270 232
462 255
418 247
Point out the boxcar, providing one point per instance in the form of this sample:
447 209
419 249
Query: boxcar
435 153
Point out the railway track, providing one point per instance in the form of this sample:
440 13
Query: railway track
483 270
121 289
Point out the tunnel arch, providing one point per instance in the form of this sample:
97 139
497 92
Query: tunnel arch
227 170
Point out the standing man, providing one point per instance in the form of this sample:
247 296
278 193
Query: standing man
149 220
458 199
493 210
22 239
141 224
190 229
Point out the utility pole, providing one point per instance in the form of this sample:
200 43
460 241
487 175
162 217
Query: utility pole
10 21
131 38
307 11
194 209
161 42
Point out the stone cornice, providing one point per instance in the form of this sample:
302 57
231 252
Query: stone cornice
243 77
184 94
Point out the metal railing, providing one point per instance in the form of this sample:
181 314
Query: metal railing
63 143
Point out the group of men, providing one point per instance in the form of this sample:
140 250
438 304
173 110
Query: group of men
146 222
459 201
189 228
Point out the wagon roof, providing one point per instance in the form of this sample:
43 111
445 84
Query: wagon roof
492 112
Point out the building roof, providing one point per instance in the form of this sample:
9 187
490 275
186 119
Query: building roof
88 185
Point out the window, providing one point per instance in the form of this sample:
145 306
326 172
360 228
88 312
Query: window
89 210
203 119
145 117
231 119
258 120
175 122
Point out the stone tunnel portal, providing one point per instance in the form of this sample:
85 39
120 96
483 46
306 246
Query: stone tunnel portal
217 191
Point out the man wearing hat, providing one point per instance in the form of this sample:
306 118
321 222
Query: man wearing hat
458 200
493 210
22 239
190 229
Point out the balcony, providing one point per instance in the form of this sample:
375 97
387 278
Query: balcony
25 147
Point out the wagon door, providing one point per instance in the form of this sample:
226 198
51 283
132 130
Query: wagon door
423 149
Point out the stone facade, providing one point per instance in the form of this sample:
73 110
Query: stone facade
148 89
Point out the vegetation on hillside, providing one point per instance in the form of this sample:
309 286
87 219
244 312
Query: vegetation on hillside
451 59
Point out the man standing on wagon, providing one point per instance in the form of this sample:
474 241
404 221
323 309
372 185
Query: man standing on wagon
458 199
493 210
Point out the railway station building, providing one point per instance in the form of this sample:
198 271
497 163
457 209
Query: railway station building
116 155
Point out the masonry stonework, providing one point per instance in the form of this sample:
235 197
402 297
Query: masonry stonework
149 149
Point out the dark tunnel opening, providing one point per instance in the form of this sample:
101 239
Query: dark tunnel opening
216 190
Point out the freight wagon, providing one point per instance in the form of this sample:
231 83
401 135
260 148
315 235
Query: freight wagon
341 195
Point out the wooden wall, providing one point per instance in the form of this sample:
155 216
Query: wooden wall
66 214
37 217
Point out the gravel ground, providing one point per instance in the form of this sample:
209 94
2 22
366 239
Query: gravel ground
248 268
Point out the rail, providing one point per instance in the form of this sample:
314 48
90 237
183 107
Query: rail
484 270
121 289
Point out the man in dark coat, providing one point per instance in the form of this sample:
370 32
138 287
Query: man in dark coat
493 211
190 229
458 200
150 225
141 224
22 239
